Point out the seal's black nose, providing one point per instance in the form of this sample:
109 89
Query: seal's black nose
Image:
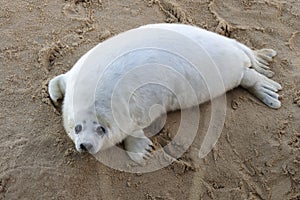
86 147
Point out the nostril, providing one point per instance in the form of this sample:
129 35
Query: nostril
82 147
85 147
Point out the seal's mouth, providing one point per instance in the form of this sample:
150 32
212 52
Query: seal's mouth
92 152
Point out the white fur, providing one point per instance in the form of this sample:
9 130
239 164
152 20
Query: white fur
100 70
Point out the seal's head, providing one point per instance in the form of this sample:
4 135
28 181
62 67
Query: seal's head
89 136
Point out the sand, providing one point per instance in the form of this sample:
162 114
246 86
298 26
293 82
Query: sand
257 156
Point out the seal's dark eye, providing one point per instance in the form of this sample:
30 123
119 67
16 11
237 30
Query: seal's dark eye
101 130
78 129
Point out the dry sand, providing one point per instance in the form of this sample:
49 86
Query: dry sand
257 156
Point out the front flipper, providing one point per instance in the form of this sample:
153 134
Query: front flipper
139 147
57 88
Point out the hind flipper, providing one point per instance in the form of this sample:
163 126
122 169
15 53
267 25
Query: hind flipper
263 57
262 87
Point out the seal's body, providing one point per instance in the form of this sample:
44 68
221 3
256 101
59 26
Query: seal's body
111 92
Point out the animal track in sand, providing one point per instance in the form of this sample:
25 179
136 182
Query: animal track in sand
48 55
172 10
